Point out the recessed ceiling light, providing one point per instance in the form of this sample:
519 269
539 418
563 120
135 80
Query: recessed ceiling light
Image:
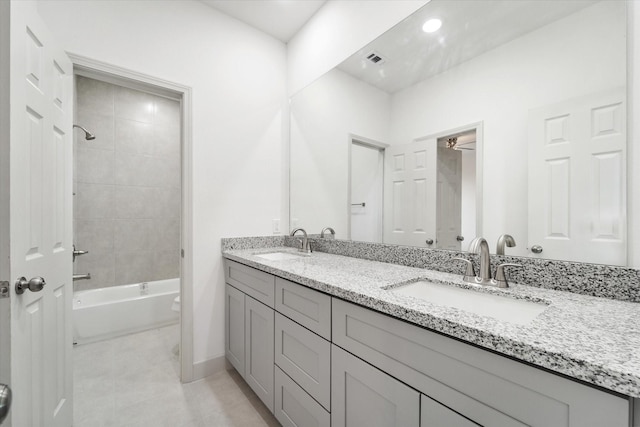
432 25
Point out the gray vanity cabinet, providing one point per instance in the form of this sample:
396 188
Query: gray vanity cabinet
249 327
362 395
489 389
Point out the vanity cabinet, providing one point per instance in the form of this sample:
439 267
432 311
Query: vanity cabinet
315 360
249 327
484 387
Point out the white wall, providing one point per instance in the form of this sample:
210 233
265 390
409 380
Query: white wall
238 77
322 118
338 30
499 87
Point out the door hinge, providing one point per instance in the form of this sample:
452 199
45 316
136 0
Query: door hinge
4 289
182 253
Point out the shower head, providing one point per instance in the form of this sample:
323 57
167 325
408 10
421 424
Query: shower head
87 135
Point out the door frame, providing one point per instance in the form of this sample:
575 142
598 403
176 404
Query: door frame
134 80
479 128
5 119
373 144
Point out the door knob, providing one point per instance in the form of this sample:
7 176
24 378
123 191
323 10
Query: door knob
460 238
5 401
536 249
429 241
34 285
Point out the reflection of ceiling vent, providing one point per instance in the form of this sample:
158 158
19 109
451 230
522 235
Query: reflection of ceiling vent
376 58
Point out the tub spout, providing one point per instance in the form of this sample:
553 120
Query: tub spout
81 276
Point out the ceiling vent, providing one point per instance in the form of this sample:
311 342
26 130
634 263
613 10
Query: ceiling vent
376 58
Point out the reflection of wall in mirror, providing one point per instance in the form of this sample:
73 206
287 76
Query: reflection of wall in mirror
322 118
580 54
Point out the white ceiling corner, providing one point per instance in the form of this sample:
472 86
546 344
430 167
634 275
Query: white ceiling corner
281 19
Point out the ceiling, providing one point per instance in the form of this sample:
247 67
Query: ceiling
279 18
469 28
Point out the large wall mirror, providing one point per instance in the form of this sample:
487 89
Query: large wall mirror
503 117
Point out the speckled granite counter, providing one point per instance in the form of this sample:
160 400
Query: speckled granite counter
595 340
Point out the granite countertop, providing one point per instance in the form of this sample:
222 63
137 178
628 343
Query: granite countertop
596 340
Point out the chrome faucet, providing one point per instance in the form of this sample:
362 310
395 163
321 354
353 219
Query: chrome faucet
479 245
304 245
330 230
505 239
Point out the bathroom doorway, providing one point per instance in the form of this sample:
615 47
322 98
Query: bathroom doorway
366 178
132 208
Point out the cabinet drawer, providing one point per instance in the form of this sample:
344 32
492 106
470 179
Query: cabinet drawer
482 386
255 283
433 414
362 395
294 407
305 357
310 308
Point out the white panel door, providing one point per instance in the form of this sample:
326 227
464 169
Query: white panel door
449 199
577 185
410 193
366 187
40 222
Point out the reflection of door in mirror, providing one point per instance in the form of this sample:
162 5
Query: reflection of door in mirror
448 197
456 191
430 191
365 205
577 169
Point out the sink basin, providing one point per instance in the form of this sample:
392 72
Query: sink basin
279 256
502 308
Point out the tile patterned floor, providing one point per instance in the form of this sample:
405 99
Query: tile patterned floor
133 381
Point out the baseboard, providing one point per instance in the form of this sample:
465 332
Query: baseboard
209 367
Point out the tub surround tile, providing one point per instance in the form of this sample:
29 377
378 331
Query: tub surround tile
134 266
94 166
94 201
133 137
588 338
94 96
133 105
101 125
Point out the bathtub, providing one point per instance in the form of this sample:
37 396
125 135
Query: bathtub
110 312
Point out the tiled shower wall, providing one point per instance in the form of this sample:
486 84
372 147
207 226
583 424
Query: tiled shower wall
126 185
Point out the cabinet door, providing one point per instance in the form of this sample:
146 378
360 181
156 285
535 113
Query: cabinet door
433 414
234 328
259 330
361 395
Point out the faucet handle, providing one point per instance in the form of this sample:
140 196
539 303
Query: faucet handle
501 277
469 273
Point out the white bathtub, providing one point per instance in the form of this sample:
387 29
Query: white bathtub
110 312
